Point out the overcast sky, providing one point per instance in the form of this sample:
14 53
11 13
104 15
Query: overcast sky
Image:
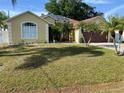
108 7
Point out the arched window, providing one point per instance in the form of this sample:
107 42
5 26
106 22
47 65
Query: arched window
29 30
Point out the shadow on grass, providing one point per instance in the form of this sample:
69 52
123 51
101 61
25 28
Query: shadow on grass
33 62
41 56
19 52
44 56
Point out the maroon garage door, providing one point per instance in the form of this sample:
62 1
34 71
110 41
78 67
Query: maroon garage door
97 37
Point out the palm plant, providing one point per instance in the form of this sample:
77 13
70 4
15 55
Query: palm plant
90 27
120 27
65 29
81 26
115 23
2 18
61 30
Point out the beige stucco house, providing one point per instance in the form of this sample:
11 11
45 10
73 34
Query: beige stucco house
28 28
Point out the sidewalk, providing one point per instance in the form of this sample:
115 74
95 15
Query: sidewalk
108 45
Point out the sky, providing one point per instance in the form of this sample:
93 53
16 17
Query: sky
108 7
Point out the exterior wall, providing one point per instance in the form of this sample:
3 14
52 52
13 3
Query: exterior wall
16 29
78 35
10 32
47 33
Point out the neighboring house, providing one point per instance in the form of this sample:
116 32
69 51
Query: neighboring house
28 28
97 37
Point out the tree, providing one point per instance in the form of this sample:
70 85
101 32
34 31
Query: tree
90 27
115 23
75 9
110 27
55 31
81 26
120 27
3 17
61 30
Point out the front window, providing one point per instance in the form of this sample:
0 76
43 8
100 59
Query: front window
29 30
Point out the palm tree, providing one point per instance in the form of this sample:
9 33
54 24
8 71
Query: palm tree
115 23
61 30
3 17
120 27
90 27
81 26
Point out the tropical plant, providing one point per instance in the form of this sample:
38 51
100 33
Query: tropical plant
65 29
115 23
81 27
3 17
61 30
55 31
120 26
90 27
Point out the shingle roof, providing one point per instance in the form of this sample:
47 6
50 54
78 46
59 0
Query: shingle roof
63 19
57 17
93 19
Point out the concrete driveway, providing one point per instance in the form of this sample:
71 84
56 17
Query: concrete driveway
109 46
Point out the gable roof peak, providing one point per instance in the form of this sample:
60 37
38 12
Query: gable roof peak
25 13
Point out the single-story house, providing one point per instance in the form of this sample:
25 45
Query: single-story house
28 28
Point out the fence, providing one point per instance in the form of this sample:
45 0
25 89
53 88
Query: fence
4 36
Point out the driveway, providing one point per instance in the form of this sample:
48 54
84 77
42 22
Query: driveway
108 46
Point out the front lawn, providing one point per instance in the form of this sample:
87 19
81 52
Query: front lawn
57 65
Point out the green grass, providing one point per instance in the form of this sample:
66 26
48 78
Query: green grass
57 65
